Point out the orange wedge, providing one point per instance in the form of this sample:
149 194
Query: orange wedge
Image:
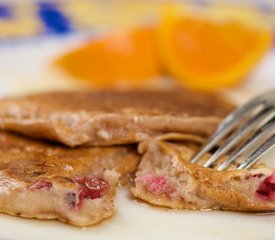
123 59
211 49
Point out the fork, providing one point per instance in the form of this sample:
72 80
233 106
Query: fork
243 129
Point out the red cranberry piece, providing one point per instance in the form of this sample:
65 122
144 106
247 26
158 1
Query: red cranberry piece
89 188
40 185
92 187
156 184
161 185
266 189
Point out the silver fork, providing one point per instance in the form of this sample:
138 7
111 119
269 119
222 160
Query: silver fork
249 123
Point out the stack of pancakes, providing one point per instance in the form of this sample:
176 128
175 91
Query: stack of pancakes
62 155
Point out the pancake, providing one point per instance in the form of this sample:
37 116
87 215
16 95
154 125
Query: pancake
77 186
111 118
166 178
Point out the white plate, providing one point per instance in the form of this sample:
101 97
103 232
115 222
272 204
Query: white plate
25 69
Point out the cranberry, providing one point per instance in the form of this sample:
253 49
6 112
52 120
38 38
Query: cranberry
156 184
40 185
266 189
89 188
92 187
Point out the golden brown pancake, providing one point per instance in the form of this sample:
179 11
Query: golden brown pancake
110 118
77 186
165 177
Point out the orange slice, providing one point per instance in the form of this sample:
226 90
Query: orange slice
211 49
122 59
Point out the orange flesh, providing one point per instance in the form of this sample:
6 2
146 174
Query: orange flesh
208 47
123 58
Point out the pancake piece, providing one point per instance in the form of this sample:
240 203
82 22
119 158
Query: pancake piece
109 118
77 186
166 178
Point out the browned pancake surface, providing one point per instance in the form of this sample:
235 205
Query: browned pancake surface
185 102
108 118
40 180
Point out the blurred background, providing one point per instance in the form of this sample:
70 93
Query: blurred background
205 45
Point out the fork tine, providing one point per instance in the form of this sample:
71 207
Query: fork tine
238 135
224 128
256 136
256 155
229 123
240 112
